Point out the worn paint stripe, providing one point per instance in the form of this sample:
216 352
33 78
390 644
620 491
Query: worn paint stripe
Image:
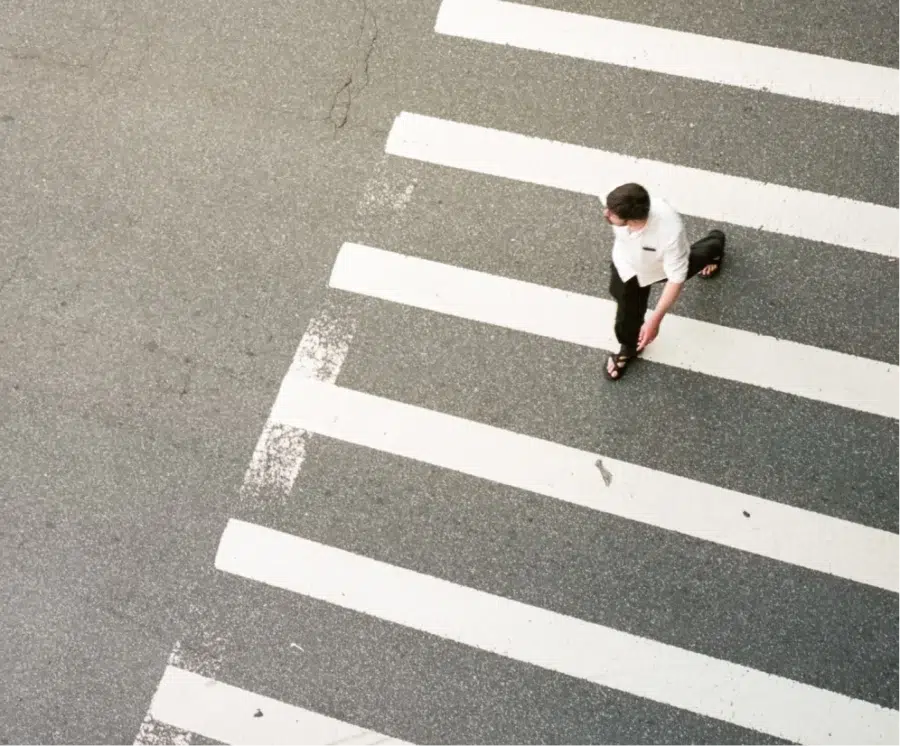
232 715
274 466
281 449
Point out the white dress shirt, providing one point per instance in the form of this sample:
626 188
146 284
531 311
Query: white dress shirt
659 251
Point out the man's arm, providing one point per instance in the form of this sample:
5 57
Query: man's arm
651 326
676 255
675 261
669 295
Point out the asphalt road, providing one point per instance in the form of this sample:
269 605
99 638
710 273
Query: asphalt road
176 183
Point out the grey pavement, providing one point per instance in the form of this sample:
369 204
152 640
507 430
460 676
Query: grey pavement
176 183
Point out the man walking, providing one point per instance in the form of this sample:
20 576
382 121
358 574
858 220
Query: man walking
650 247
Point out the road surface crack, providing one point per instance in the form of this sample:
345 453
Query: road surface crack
28 55
17 262
358 79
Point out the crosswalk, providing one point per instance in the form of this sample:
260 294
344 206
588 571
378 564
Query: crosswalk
757 602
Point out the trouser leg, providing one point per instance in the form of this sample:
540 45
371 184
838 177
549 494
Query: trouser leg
631 307
708 250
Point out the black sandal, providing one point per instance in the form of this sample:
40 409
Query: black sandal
621 361
717 264
718 261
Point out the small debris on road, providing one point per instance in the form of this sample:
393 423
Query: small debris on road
604 472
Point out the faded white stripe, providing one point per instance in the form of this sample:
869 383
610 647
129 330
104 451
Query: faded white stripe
281 449
232 715
204 659
274 466
664 673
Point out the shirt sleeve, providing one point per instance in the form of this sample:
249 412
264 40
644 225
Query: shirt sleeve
676 252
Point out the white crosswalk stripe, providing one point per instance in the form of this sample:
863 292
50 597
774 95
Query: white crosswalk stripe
705 194
797 541
200 704
778 531
705 58
833 377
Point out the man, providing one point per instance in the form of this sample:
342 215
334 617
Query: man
650 247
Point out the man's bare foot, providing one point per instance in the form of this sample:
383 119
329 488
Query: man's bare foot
709 270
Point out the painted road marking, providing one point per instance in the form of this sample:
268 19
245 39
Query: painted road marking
274 466
664 673
708 58
281 450
692 191
803 370
225 713
203 658
780 532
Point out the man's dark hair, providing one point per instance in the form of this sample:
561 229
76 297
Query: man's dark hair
629 202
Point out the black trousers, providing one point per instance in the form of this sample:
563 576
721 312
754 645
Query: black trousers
632 299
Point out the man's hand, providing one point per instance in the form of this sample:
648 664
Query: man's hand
651 326
648 332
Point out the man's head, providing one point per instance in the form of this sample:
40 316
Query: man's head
626 204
